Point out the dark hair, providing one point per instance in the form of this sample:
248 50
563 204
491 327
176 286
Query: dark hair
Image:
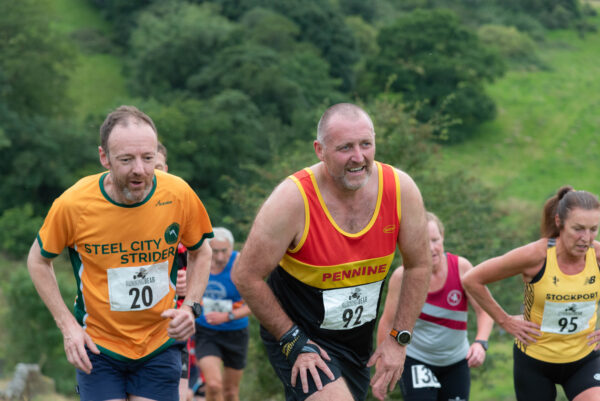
121 116
162 150
561 204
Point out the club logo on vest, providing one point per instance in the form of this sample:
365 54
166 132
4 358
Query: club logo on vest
141 274
172 233
454 297
354 295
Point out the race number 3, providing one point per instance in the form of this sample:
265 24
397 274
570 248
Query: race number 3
423 377
137 288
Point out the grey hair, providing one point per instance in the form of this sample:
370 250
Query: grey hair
346 109
222 234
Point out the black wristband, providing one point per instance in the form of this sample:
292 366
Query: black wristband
483 343
294 343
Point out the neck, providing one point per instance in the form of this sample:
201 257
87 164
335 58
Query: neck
565 256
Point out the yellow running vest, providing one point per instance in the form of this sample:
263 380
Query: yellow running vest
565 307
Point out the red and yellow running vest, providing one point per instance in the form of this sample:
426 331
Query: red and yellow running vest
330 283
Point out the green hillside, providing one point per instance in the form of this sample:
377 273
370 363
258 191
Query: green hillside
543 137
97 83
546 132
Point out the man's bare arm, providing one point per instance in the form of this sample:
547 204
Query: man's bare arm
275 228
182 324
278 225
75 339
413 243
198 271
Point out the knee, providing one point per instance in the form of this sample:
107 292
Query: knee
213 386
231 393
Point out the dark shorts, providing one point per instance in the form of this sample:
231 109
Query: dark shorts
423 382
156 378
356 378
230 346
537 380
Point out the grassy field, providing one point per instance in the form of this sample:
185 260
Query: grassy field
545 134
97 84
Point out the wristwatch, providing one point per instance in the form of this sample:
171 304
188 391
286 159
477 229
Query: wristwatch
403 337
230 316
196 307
483 343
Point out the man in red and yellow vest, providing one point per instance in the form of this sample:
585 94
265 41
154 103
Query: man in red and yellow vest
325 239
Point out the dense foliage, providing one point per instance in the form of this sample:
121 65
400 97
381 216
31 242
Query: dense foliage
236 88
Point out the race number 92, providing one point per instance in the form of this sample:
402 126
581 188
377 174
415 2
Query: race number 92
349 314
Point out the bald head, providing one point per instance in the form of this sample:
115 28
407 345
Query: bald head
346 110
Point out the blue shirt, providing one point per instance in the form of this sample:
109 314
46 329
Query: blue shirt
221 296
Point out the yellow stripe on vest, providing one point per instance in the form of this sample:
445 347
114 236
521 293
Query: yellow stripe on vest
338 276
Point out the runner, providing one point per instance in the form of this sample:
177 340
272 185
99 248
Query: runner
555 338
122 228
439 357
222 330
326 238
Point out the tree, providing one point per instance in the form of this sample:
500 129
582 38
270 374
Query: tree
436 64
34 60
173 40
41 161
35 131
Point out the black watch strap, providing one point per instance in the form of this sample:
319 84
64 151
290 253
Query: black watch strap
483 343
195 306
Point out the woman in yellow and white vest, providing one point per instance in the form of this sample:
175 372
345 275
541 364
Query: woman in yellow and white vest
556 341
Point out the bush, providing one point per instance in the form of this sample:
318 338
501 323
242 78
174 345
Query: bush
18 228
513 45
32 332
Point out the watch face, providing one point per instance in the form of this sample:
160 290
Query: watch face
404 338
197 309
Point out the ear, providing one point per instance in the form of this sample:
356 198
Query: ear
318 149
103 158
557 220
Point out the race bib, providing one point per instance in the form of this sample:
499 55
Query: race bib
423 377
567 318
348 308
217 305
137 288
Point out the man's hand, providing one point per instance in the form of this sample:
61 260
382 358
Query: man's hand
476 355
304 355
388 359
75 340
182 324
216 318
309 362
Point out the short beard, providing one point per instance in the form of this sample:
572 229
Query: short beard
355 187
